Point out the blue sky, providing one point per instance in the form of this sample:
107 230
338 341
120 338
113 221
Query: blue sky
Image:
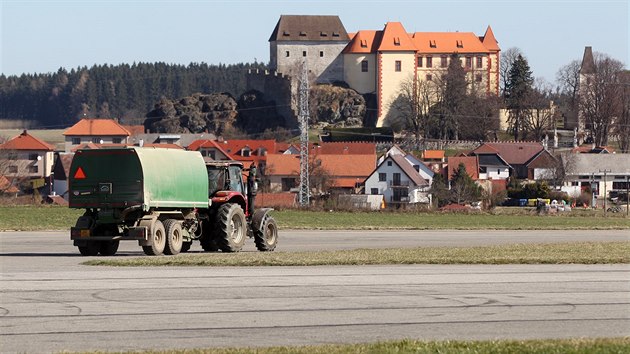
41 36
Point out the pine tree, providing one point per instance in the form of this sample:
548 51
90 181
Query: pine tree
518 89
463 187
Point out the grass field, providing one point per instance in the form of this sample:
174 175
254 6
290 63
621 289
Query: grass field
33 218
561 253
568 346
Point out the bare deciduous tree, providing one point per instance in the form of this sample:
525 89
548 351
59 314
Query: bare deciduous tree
541 115
601 98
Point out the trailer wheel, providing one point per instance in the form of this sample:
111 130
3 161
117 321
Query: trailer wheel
174 238
159 240
90 248
108 248
231 227
266 238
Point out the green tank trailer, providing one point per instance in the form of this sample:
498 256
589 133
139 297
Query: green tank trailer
165 199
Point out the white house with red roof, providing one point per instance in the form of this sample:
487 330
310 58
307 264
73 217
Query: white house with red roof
26 156
95 131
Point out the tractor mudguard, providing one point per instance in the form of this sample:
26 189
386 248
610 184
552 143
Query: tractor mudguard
258 217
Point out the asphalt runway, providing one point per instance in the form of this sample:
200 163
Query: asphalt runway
50 302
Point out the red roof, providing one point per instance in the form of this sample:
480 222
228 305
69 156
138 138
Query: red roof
364 42
134 129
25 141
470 162
275 200
163 146
207 144
87 127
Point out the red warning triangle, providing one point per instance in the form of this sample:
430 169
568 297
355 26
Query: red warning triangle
79 174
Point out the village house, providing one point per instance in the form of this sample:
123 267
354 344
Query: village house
26 157
527 160
95 131
398 181
602 174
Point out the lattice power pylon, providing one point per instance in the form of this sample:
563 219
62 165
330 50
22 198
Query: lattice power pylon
303 121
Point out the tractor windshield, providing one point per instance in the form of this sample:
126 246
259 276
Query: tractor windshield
216 180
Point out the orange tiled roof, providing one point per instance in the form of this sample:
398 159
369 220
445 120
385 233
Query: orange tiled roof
395 38
433 154
339 166
343 148
275 199
134 129
283 165
26 141
163 146
489 41
470 162
447 42
87 127
365 41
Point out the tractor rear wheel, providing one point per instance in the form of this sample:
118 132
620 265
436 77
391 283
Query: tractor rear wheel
231 226
266 238
174 237
159 240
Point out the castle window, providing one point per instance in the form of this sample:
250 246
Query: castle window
364 66
443 61
302 34
460 44
429 62
429 77
479 62
321 53
396 40
364 43
468 62
419 62
478 77
432 43
287 53
398 65
303 53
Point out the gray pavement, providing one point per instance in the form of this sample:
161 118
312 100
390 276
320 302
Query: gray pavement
49 302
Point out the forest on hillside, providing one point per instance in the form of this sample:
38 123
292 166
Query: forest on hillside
126 92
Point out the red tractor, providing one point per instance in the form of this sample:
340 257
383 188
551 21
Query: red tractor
232 216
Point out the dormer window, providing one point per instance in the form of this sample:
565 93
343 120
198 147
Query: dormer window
460 44
396 41
246 152
302 34
432 43
286 33
364 43
335 34
323 34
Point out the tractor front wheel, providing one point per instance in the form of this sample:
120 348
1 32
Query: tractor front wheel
267 237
